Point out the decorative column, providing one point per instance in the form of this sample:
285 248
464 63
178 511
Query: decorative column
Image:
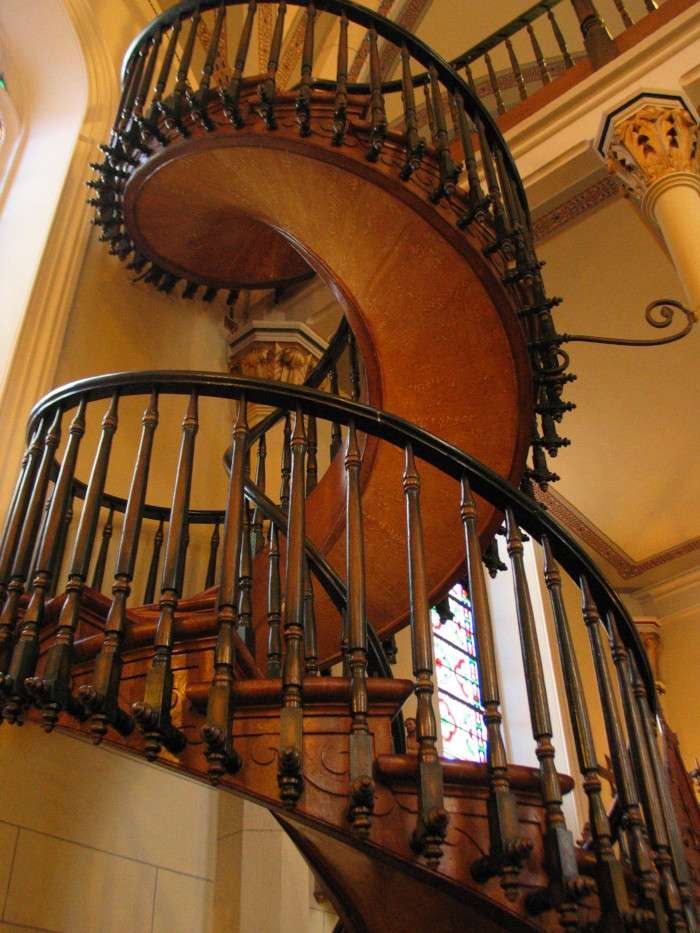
282 351
652 147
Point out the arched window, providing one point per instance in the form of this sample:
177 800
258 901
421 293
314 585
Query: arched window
457 673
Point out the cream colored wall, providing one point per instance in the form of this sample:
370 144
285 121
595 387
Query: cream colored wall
680 672
93 839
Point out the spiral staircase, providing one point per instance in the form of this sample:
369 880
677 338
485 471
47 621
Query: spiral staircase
269 675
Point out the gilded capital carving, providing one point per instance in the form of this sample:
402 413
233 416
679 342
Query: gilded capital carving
651 143
281 362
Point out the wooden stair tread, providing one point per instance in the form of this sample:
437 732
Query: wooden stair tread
404 768
386 696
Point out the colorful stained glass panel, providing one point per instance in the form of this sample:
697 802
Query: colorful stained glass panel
457 675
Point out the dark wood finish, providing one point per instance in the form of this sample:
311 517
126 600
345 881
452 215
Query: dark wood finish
507 850
657 829
274 644
612 888
25 653
432 816
566 886
152 713
289 771
360 740
52 691
220 754
627 793
100 697
35 490
98 573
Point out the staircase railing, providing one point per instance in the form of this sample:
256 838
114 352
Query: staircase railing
482 193
653 880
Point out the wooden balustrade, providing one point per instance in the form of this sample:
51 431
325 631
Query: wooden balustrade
153 116
39 675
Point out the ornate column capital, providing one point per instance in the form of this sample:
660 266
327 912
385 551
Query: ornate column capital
280 351
651 145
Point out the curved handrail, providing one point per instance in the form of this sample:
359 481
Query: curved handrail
360 15
451 461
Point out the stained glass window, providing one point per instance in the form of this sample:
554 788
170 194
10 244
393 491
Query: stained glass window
459 690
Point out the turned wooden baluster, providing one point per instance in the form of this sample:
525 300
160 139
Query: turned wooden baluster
517 71
157 108
340 114
596 38
147 126
26 650
378 124
230 96
274 605
153 712
101 697
311 668
360 741
36 494
430 832
624 15
289 775
680 864
18 506
266 90
561 41
336 434
508 849
493 80
214 542
139 103
566 886
257 524
312 451
199 102
174 108
449 173
303 101
286 468
478 203
429 112
610 876
245 585
627 795
52 691
150 590
499 217
217 732
539 57
648 790
61 545
122 126
101 562
415 146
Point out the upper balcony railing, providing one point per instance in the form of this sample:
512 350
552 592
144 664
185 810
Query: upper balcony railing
170 93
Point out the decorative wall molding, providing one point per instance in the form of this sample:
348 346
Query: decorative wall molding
46 316
575 207
597 541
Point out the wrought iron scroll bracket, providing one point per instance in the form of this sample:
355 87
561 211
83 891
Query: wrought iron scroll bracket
666 310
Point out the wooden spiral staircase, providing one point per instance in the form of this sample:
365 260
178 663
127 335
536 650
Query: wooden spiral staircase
269 677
